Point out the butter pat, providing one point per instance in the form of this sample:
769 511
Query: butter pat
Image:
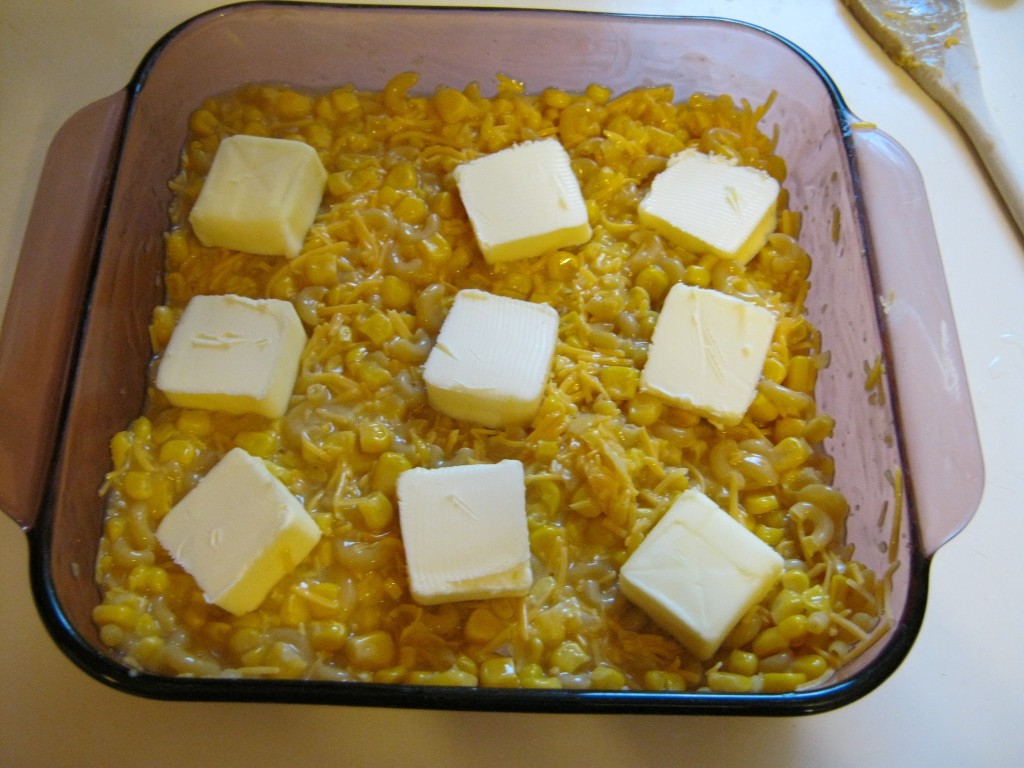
708 351
260 196
698 572
238 532
523 201
708 204
491 359
464 530
233 354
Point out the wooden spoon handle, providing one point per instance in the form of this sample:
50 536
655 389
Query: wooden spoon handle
977 123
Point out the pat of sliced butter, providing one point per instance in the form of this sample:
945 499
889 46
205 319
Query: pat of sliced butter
708 351
523 201
698 572
233 354
260 196
238 532
465 533
707 203
491 359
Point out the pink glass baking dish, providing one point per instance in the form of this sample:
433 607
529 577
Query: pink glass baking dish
75 344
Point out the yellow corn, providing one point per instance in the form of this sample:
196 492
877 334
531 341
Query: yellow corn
569 656
328 636
741 662
729 682
385 472
138 485
499 672
605 678
781 682
620 381
370 651
769 642
376 510
482 626
659 680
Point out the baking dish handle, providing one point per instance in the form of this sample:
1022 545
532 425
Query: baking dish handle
47 299
941 443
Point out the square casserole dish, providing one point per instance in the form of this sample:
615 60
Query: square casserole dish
75 344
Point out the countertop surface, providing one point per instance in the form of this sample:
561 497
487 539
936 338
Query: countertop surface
955 701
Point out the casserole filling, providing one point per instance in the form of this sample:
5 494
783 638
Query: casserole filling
604 456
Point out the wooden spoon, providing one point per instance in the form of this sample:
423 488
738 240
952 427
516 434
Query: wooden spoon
930 39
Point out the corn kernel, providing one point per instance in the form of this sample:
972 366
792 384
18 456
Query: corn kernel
697 275
742 662
294 611
654 280
452 105
384 475
811 665
605 678
729 682
148 580
453 677
759 504
482 626
793 628
370 651
120 447
532 676
801 374
411 210
203 122
620 381
375 437
121 615
376 510
769 642
781 682
244 639
328 636
796 580
569 656
195 423
112 635
181 451
148 650
562 265
138 485
377 327
659 680
499 672
291 105
785 604
372 375
396 293
644 410
262 445
321 268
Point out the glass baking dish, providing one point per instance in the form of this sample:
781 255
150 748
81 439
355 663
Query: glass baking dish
75 343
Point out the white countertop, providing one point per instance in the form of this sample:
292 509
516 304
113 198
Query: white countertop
955 701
